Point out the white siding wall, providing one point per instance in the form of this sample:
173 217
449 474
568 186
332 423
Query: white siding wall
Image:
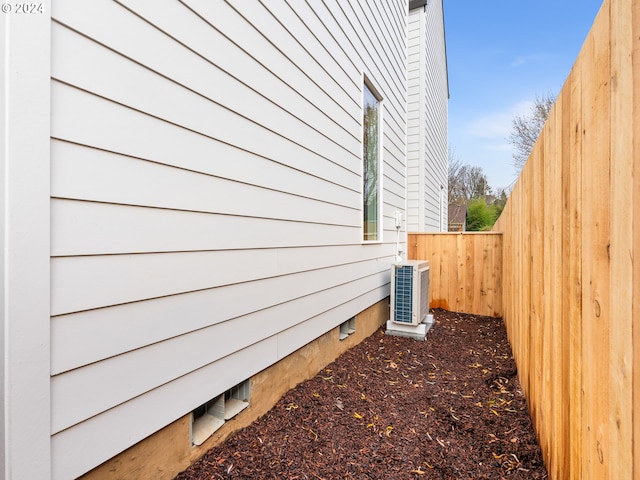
25 46
427 120
206 199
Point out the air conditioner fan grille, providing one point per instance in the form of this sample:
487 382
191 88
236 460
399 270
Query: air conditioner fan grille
403 295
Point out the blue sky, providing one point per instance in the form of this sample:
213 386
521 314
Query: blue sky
501 54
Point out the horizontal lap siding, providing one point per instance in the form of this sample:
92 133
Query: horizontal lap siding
127 375
427 120
436 96
206 190
415 114
152 321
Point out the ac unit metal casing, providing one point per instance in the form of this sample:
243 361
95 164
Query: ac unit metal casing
409 292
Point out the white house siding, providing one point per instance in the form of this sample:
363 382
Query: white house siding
427 119
24 242
206 199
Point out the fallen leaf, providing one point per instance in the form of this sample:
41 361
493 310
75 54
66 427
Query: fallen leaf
312 432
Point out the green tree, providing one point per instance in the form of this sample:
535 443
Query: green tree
499 201
480 216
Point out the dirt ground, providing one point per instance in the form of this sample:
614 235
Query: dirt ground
396 408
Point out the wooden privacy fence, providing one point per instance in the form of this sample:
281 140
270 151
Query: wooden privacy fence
465 271
564 272
571 275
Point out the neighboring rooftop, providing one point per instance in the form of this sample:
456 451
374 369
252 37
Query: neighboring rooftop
457 218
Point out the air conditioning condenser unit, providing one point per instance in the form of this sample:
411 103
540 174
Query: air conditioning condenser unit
410 299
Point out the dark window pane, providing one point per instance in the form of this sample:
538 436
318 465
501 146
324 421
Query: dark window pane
371 165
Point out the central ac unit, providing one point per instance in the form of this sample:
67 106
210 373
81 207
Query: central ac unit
409 292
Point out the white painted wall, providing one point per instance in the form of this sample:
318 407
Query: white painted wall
206 199
24 244
428 95
181 204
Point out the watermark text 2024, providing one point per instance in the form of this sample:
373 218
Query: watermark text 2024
22 8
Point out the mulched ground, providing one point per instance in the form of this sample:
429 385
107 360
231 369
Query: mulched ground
394 408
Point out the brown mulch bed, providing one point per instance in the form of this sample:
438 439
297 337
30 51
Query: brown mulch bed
395 408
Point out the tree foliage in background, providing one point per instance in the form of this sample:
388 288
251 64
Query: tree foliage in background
525 129
455 177
468 186
465 181
480 216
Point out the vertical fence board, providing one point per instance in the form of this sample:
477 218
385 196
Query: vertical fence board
635 220
545 214
559 351
595 254
621 243
437 253
524 310
537 262
496 272
454 279
572 265
461 256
